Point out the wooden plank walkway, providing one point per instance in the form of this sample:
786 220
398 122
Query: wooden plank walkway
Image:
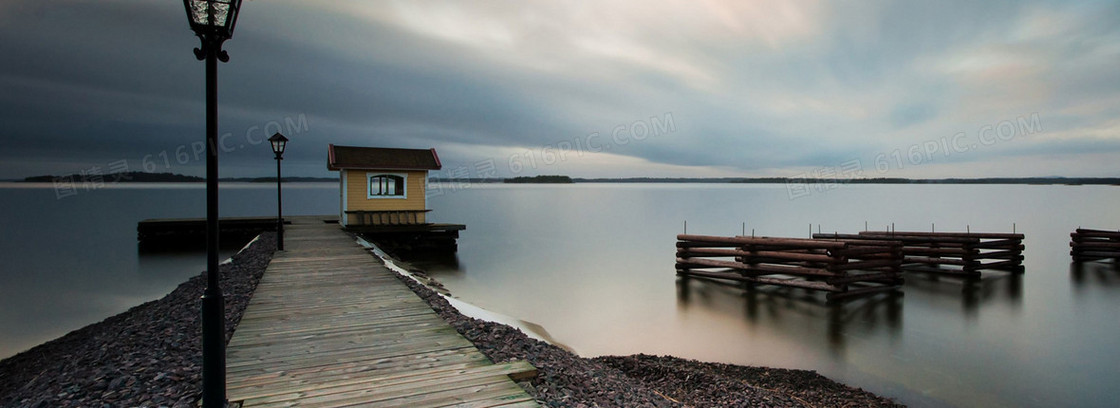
330 326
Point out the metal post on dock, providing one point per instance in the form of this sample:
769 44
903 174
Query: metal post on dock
213 301
212 21
279 143
279 209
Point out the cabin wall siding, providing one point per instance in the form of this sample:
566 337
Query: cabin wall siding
357 193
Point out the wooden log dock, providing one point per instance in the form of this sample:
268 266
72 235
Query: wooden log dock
177 233
329 325
1094 245
180 232
840 267
953 253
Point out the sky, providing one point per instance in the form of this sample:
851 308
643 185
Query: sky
693 88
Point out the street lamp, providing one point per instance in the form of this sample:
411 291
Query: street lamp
278 142
212 21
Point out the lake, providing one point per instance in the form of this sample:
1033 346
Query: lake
593 264
72 260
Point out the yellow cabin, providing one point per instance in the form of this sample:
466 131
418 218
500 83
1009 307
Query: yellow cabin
382 186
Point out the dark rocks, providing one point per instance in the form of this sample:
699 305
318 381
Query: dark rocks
118 383
717 384
567 380
148 356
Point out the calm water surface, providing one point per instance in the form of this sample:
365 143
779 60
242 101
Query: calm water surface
73 261
593 263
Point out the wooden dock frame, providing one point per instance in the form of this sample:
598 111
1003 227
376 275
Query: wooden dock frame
843 268
409 237
1094 245
965 253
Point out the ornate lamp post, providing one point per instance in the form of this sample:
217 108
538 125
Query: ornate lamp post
278 142
212 21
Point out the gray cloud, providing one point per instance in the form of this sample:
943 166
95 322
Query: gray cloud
752 90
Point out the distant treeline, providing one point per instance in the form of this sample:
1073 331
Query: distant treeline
284 179
132 176
142 177
548 179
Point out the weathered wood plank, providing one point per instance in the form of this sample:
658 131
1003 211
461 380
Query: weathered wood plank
351 369
382 366
407 395
786 242
302 388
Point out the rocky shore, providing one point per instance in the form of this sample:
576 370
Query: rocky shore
150 356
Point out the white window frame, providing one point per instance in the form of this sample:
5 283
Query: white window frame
403 186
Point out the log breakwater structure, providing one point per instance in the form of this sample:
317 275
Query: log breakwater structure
845 265
962 254
842 268
1094 245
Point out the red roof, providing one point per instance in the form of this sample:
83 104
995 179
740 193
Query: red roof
381 158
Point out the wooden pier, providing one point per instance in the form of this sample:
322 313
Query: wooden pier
329 326
840 267
952 253
180 232
1094 245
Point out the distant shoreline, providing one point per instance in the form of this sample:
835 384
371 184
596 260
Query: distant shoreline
798 180
141 177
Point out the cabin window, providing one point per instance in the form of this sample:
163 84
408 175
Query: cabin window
387 185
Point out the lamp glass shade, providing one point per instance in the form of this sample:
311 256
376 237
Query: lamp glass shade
279 142
213 16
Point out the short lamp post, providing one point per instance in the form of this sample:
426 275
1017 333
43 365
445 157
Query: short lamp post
212 21
279 142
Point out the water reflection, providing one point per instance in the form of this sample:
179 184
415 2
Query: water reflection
802 312
992 287
1100 274
431 261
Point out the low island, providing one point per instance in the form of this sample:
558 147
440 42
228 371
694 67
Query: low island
544 179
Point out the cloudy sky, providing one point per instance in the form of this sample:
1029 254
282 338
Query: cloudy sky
693 88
